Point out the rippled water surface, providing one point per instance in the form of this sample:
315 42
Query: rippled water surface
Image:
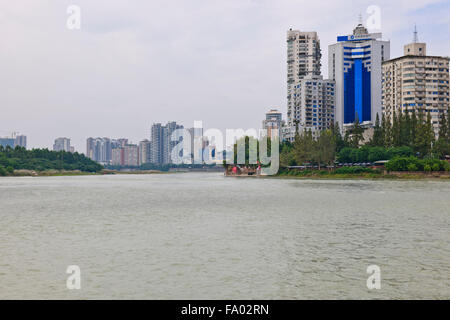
201 235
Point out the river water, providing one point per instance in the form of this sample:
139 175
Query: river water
205 236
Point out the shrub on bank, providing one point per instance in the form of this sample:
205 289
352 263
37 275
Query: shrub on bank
356 170
372 154
415 164
339 171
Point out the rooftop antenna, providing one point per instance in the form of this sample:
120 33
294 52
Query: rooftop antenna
416 37
360 19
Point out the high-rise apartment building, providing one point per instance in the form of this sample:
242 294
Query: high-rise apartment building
303 59
354 63
315 100
168 144
99 149
157 143
144 151
130 155
416 82
310 98
20 141
62 144
161 144
118 156
197 144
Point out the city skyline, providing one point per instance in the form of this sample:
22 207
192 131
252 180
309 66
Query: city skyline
239 70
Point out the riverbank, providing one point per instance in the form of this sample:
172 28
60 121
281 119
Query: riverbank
438 175
59 173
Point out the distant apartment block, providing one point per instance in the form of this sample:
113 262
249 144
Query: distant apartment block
131 155
7 142
161 144
273 123
14 141
168 144
118 157
100 149
20 141
198 144
127 155
62 144
416 82
144 151
157 143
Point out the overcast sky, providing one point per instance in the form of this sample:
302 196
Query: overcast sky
134 62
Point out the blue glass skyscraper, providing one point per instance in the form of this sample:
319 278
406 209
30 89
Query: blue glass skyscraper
355 65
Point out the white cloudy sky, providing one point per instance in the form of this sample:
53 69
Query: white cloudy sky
138 62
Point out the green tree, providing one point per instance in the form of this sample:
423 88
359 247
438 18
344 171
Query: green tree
377 139
356 133
429 134
344 156
287 155
304 147
420 141
442 145
337 137
386 129
405 129
413 129
376 154
325 148
396 129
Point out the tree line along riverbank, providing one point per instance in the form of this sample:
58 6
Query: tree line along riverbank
19 161
405 143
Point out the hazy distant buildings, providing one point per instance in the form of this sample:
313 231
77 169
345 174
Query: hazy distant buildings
130 155
20 141
157 143
62 144
144 151
273 123
119 152
7 142
118 157
416 82
161 144
14 141
126 155
354 63
101 149
198 144
168 144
